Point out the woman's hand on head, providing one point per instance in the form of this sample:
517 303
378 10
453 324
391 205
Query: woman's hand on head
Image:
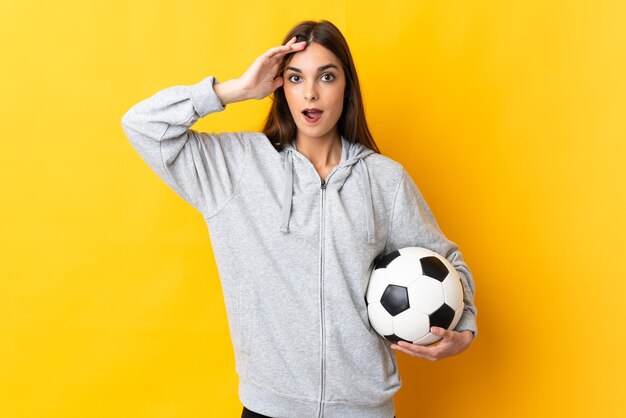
260 79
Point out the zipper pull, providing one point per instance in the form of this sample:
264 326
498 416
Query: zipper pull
323 184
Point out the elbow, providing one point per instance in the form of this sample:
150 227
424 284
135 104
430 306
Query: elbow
126 119
130 128
131 125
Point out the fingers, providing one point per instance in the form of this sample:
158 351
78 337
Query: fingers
441 332
449 335
432 352
290 46
426 352
451 343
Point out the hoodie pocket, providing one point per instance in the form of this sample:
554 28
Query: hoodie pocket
358 353
280 352
240 335
241 322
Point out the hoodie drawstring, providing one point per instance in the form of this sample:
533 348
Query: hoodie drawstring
284 224
367 197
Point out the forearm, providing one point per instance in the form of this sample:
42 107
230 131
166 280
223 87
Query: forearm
230 91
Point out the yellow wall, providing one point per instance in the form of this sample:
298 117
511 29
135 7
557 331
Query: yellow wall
510 116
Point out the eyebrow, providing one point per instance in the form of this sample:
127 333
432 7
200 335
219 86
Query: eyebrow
320 69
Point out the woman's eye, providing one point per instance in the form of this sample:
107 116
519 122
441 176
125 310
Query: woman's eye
291 77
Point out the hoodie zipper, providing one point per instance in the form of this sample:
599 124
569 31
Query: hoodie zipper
323 332
323 183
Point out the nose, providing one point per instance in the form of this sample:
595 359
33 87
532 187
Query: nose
310 92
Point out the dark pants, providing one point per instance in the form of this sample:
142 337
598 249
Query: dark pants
246 413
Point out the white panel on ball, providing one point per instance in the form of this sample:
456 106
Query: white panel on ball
411 324
453 293
380 319
378 283
426 295
403 271
416 252
428 339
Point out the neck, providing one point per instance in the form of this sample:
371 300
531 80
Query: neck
323 152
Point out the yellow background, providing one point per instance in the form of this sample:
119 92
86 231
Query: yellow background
510 116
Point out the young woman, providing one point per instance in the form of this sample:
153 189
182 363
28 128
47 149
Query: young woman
298 215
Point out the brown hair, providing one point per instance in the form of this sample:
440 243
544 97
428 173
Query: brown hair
280 127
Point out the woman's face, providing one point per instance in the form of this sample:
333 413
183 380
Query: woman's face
314 78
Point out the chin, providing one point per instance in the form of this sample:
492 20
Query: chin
314 133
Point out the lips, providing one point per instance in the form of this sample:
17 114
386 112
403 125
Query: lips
312 115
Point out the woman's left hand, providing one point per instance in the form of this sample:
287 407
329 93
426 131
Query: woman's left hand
452 343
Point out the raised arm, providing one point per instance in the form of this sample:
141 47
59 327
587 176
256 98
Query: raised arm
202 168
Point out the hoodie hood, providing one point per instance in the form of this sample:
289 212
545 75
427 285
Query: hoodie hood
352 154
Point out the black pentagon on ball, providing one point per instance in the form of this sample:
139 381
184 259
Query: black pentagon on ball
384 261
442 317
394 339
395 299
433 267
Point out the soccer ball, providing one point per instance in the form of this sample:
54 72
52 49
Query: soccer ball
410 290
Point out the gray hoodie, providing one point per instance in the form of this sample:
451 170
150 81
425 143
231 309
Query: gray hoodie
294 254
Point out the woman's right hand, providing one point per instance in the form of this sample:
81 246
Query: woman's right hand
260 79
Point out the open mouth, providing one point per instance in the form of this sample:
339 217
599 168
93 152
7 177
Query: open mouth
312 116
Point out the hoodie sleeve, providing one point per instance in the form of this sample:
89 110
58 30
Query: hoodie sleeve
201 168
413 225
